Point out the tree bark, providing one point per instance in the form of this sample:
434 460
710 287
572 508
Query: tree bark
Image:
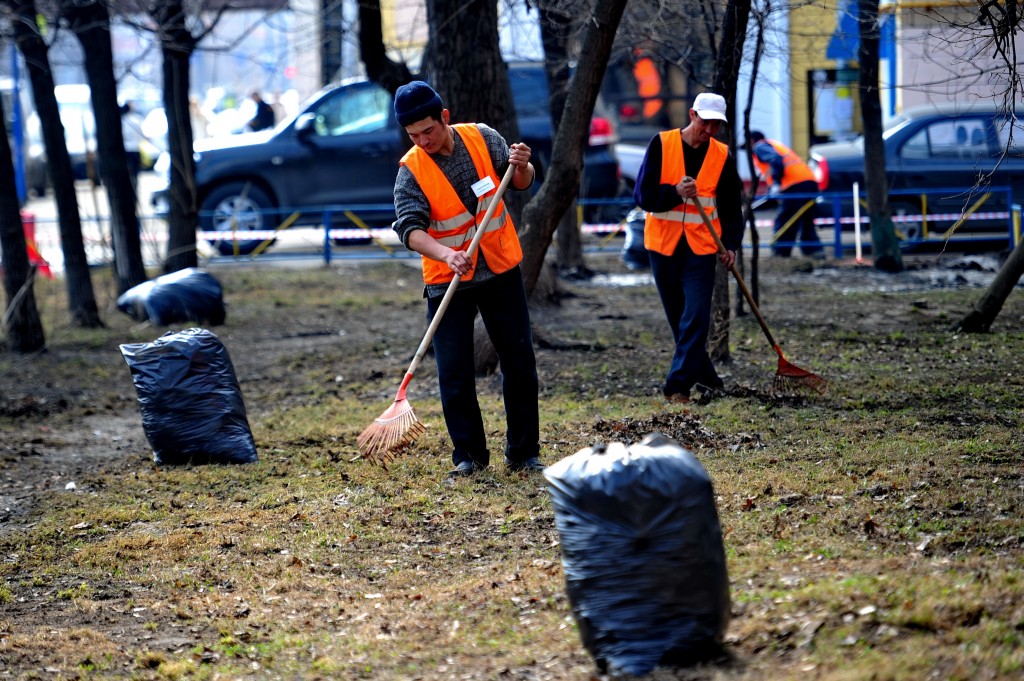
21 317
77 279
885 248
555 30
759 15
177 45
91 24
561 184
380 68
468 72
728 57
979 320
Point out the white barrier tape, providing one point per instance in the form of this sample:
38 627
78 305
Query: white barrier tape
264 234
936 217
607 228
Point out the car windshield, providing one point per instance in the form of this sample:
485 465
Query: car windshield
353 110
893 126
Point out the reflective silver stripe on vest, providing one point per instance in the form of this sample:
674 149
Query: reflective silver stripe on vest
710 207
457 240
451 224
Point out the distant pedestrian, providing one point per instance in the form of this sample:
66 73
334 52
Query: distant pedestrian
131 132
264 117
786 173
197 118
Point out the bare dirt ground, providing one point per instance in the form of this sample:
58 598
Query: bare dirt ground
77 411
71 413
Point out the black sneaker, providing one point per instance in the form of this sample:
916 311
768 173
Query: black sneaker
531 464
465 469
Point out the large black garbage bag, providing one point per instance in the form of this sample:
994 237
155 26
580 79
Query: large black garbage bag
643 555
188 295
634 254
192 408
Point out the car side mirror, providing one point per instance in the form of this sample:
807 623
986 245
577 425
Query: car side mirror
304 125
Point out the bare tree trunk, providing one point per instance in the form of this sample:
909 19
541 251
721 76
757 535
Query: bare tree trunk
77 279
885 248
468 72
979 320
380 68
555 30
561 185
21 317
91 24
759 15
728 58
177 45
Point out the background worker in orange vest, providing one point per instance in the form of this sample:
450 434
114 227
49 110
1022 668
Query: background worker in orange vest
648 85
444 185
786 173
681 167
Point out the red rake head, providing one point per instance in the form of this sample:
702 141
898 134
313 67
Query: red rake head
792 380
396 428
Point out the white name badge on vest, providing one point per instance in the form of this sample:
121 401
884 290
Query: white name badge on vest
483 186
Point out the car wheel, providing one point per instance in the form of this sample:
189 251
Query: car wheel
237 207
908 224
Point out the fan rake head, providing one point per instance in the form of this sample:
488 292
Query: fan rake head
396 428
792 380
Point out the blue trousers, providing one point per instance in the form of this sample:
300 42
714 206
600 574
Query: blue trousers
803 229
685 283
502 305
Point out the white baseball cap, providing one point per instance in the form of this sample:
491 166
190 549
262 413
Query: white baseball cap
710 107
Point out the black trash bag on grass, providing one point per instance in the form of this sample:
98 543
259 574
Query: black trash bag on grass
188 295
192 407
642 553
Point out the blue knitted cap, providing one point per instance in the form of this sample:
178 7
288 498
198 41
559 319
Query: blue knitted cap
415 101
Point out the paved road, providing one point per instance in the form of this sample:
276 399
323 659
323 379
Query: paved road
302 243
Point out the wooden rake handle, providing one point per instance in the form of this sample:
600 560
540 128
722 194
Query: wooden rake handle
481 228
739 280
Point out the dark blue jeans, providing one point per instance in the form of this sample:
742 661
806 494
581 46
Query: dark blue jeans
502 305
803 229
685 283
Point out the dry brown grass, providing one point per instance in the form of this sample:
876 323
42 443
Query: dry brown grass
873 533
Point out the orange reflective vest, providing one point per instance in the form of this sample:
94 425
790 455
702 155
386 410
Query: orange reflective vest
795 170
648 85
662 231
452 224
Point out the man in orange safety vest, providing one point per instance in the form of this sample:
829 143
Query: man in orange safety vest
681 168
445 185
786 173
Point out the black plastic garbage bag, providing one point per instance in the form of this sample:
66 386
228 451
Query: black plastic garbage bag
189 295
192 408
634 254
643 555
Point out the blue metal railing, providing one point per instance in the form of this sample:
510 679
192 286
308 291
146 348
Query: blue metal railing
833 212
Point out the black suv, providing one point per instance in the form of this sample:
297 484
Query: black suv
342 151
939 162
